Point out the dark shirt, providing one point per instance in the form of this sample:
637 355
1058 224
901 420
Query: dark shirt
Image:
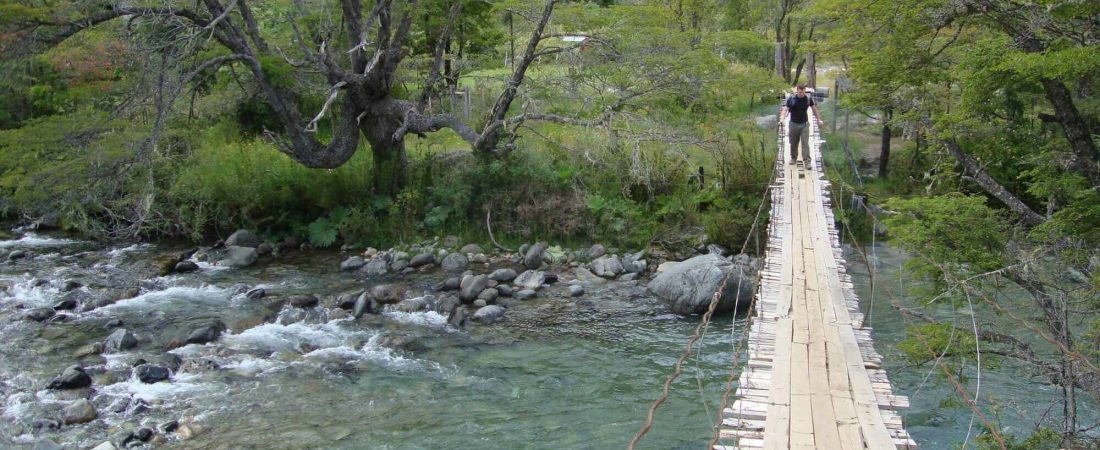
797 108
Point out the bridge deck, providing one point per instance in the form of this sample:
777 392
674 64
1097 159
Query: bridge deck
813 378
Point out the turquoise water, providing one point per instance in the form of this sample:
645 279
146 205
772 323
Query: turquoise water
557 373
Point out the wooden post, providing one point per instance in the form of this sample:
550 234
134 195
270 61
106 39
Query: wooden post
781 60
811 69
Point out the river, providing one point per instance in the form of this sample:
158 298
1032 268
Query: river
559 372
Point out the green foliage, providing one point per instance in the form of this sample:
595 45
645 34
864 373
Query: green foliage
950 231
233 182
1041 439
926 342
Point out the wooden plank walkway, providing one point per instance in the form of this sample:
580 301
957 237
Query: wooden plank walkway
813 378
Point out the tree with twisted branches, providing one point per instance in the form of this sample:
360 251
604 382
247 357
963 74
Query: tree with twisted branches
358 51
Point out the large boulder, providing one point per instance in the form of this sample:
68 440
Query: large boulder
533 258
243 238
236 256
119 340
472 286
607 266
531 279
73 377
687 287
455 262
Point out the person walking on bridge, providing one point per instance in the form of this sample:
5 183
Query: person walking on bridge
799 128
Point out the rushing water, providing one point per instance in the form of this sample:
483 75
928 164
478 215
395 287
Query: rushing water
557 373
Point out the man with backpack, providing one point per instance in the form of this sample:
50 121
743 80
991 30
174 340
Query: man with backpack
799 127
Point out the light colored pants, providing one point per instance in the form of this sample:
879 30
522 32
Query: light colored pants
799 132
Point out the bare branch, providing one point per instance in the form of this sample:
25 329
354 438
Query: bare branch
312 126
224 14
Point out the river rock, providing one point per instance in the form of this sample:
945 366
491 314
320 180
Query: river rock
71 285
66 303
16 254
239 257
94 348
185 266
531 279
265 249
170 360
149 373
208 333
119 340
576 290
73 377
457 318
46 444
451 242
504 290
585 275
398 265
480 303
503 275
39 314
526 294
488 314
628 277
533 258
255 293
489 295
169 426
375 267
387 294
607 266
633 263
413 304
450 284
688 286
471 248
119 405
303 301
595 251
716 249
243 238
455 262
472 286
143 434
422 259
352 263
105 445
80 411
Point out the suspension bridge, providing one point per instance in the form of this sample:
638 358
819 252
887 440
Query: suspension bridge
813 378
